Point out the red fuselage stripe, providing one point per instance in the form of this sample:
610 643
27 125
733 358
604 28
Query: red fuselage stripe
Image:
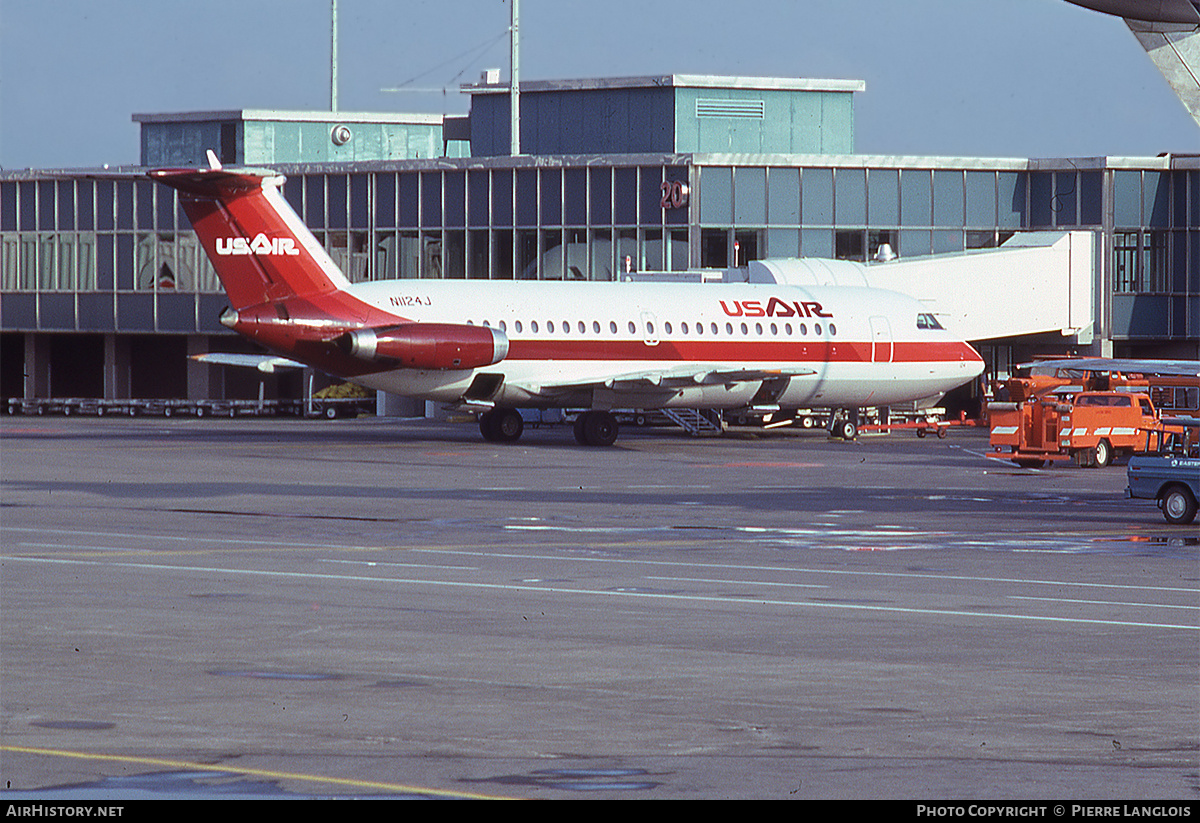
745 351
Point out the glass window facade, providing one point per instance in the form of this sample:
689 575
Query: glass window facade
118 254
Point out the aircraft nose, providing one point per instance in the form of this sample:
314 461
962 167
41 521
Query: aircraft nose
969 355
973 366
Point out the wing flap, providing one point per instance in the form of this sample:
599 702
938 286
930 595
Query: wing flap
684 376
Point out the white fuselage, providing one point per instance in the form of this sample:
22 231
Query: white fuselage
841 346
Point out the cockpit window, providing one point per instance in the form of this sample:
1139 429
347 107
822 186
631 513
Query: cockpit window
927 321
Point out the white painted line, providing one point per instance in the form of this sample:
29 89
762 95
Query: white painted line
802 570
739 582
376 563
974 615
1106 602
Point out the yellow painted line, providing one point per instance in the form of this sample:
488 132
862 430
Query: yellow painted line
274 775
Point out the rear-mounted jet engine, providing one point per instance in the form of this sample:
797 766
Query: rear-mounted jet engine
437 346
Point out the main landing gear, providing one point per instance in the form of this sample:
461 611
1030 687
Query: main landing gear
501 425
592 428
596 428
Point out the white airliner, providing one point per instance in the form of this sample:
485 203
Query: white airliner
494 347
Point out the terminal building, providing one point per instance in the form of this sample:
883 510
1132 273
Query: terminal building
105 292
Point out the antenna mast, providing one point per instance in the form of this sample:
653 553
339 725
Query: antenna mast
333 58
514 84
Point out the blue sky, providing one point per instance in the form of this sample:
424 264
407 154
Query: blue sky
974 78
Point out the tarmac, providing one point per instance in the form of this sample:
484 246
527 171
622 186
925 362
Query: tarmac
380 608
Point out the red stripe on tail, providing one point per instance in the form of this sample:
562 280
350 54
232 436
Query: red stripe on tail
261 250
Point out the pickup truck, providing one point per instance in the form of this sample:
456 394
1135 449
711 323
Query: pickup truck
1169 471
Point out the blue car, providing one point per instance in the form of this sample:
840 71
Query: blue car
1169 471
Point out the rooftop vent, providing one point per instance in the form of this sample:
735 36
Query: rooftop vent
745 109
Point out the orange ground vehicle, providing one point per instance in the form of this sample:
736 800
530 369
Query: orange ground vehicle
1173 385
1092 429
1101 425
1025 432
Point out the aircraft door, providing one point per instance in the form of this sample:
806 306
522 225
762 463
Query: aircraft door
881 340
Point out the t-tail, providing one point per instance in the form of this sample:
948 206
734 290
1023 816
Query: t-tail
284 289
262 251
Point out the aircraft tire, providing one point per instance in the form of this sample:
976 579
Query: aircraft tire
847 430
596 428
508 425
487 426
501 425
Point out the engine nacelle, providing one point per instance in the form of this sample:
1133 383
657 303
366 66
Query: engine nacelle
437 346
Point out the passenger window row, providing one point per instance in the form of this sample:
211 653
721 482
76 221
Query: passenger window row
682 329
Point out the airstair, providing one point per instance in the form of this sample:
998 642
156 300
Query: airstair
693 421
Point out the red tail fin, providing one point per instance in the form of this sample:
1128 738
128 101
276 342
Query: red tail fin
261 249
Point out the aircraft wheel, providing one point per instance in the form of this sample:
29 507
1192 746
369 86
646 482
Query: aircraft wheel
1178 506
596 428
1104 454
501 425
847 430
508 425
487 426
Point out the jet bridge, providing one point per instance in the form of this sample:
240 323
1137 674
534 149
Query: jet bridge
1034 283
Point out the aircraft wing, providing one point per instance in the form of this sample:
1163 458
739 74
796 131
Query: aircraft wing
266 363
686 375
1169 31
1182 368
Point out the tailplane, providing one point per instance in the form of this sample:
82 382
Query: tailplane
262 251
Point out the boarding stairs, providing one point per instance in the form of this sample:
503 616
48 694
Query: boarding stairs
693 421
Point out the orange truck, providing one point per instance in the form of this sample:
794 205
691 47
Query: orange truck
1092 428
1174 387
